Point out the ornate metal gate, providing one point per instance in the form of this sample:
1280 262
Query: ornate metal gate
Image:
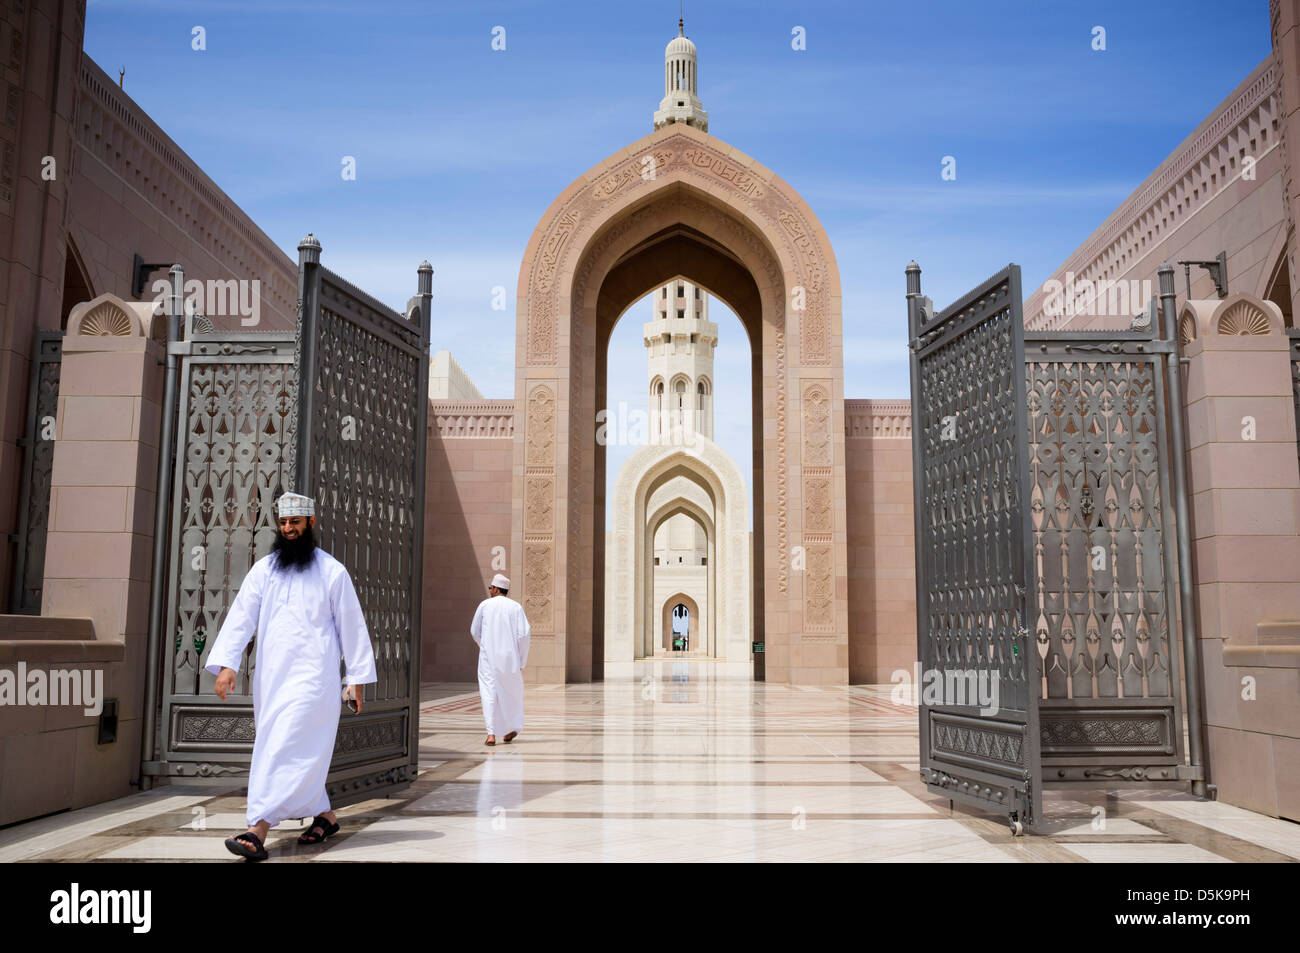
1046 473
38 467
970 469
337 410
1104 603
363 400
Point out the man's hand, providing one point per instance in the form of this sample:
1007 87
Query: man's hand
353 691
225 683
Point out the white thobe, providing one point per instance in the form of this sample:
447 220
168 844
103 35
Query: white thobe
304 621
501 630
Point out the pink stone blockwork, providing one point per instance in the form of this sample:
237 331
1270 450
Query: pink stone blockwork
468 488
881 543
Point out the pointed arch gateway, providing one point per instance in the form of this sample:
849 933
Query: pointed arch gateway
681 202
656 483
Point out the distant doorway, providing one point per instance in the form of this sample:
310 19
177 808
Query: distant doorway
681 629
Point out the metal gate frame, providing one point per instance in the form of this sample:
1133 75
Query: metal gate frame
222 520
1118 397
1135 734
972 544
28 568
361 361
349 355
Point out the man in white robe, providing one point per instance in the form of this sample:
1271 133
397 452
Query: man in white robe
501 630
304 609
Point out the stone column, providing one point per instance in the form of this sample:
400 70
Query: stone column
98 554
43 76
1245 486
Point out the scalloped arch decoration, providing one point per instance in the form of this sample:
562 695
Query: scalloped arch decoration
105 316
1242 318
107 320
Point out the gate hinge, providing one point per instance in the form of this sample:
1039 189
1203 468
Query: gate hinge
179 348
1191 772
154 769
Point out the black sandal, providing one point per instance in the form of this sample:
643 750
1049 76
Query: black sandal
309 836
235 846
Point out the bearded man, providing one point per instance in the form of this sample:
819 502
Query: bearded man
301 603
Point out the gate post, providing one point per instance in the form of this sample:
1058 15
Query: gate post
308 291
1187 602
162 510
425 294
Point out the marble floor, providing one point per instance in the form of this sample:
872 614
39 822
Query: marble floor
672 766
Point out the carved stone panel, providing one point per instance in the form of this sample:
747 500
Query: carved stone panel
818 449
540 433
539 583
819 587
818 505
539 503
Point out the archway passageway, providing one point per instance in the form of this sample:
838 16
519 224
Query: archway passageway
682 203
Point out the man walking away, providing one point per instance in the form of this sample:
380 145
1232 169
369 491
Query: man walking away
501 630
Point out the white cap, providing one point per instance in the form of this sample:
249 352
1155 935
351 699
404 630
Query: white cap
295 504
500 581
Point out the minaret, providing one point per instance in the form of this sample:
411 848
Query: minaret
681 102
679 342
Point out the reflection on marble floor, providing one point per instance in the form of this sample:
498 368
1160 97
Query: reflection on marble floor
673 766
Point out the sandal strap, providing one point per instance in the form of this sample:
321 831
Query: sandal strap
319 822
249 836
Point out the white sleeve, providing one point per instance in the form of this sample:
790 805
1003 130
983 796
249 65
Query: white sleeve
522 637
240 623
476 626
354 637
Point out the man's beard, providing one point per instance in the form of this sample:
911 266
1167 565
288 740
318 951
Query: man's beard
295 554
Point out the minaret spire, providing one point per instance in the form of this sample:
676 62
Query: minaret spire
681 102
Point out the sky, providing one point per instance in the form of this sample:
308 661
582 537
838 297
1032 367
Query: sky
459 149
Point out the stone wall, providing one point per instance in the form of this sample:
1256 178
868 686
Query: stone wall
1245 503
42 40
134 190
882 575
97 568
467 514
121 186
1222 189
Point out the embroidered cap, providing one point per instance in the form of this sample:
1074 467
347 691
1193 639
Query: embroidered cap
295 504
500 581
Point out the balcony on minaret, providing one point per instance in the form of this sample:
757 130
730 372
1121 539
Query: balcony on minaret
683 336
